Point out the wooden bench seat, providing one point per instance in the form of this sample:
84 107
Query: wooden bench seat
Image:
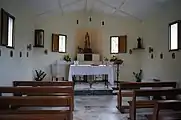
126 88
144 104
174 105
134 104
36 101
127 94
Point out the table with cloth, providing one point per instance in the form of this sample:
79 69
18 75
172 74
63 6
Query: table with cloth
92 70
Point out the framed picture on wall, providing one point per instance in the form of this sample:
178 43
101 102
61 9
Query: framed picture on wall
39 38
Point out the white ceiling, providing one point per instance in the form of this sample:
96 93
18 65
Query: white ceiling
137 9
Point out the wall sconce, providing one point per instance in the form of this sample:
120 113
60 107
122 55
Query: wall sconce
77 22
46 51
130 51
150 49
161 55
29 47
173 55
11 53
102 23
90 19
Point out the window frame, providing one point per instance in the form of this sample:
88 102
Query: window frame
65 42
111 44
13 30
179 36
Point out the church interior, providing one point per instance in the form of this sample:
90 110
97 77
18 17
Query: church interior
90 60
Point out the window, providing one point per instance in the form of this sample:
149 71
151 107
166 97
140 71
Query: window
62 43
174 36
7 29
118 44
59 43
115 44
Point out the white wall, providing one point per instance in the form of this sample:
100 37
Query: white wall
17 68
66 24
155 32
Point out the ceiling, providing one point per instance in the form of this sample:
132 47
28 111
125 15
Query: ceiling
137 9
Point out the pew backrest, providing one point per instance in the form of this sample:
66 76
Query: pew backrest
37 90
33 117
156 92
36 101
42 83
26 103
138 85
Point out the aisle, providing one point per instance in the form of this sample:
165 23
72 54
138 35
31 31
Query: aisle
97 108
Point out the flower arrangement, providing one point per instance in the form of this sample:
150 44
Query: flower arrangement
138 76
67 58
106 59
113 58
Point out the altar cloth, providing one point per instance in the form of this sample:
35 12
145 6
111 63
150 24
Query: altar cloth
92 70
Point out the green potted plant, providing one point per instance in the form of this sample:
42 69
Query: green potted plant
138 76
67 58
105 60
113 58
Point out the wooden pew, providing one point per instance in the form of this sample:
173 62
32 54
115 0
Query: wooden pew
126 88
168 93
174 105
42 83
39 91
35 114
45 83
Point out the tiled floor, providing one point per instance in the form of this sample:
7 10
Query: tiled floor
97 108
100 108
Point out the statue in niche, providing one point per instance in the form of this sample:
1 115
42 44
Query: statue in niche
139 44
87 48
87 41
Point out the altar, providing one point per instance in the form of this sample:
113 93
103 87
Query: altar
92 70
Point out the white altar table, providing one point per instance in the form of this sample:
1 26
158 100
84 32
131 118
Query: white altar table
92 70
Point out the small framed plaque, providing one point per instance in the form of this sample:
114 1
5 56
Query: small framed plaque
39 38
